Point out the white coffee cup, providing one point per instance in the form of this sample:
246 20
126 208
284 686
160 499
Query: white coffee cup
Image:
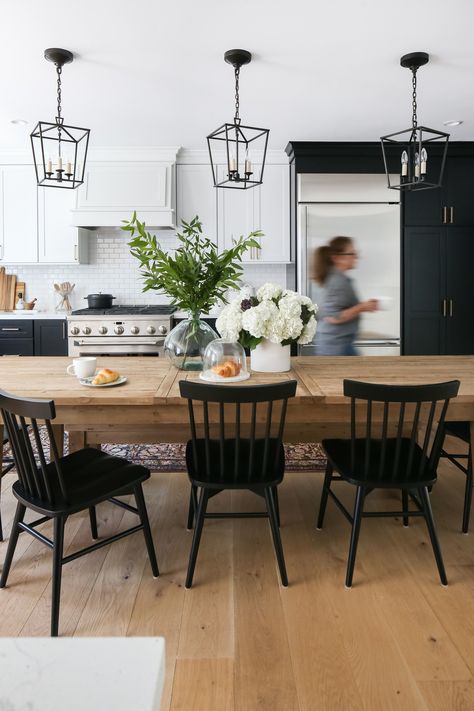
384 302
82 367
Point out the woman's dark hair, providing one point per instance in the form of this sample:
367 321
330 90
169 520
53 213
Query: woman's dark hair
322 258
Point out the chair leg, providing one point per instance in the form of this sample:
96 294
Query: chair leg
357 520
272 515
274 492
192 507
199 522
1 529
15 532
405 506
425 500
467 495
324 496
93 520
58 544
142 512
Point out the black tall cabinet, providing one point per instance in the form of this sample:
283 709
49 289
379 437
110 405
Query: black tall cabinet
437 240
438 256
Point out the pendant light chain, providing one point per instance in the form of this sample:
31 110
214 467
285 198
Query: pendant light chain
237 100
59 119
414 118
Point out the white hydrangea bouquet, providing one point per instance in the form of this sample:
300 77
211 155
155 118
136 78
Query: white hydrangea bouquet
276 315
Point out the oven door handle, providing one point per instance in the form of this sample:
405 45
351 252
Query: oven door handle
119 342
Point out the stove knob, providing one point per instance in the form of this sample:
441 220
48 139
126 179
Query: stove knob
118 330
74 330
86 330
163 330
151 330
102 329
134 330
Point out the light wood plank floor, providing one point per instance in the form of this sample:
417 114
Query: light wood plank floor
237 640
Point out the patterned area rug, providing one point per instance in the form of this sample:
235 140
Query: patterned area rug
170 457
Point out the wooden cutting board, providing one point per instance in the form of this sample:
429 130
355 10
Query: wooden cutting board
3 286
11 287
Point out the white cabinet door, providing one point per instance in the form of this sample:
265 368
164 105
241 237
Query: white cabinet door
18 218
58 239
266 208
272 214
235 215
196 195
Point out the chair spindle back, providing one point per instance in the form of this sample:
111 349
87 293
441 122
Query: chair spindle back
411 415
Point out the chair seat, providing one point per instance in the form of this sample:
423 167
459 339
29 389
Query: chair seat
338 452
90 476
458 429
244 478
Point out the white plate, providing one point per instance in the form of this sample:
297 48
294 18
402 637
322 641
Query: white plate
211 377
90 384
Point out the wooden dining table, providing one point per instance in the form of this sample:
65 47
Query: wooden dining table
148 407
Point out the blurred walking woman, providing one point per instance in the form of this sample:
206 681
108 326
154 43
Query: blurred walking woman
339 305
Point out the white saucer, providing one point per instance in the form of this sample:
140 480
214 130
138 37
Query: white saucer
211 377
90 384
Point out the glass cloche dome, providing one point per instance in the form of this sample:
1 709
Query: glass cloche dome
224 361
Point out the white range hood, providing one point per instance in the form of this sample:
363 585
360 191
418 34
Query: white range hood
118 182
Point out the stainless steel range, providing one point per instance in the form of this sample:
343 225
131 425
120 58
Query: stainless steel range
120 330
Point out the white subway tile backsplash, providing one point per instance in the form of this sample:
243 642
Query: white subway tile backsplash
112 269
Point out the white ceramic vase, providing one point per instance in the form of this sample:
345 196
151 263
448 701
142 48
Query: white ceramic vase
270 357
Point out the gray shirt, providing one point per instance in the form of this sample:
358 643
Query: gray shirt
337 295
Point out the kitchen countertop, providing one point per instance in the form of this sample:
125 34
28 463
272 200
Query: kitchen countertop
33 314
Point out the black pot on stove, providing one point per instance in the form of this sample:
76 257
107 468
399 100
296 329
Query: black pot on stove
99 301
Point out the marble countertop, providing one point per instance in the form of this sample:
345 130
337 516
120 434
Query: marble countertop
33 314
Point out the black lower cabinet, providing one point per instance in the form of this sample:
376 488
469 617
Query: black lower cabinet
45 337
16 337
438 291
50 337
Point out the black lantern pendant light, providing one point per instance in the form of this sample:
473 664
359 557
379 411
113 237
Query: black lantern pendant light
59 151
417 172
245 146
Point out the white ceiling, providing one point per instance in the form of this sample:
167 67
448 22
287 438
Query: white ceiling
149 72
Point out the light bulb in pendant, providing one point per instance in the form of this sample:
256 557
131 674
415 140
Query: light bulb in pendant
424 159
248 162
417 165
404 161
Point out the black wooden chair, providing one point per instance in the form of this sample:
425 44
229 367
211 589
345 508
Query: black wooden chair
62 486
389 462
461 430
7 465
243 450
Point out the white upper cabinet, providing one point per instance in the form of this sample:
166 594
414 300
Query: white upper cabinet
272 214
112 191
18 214
196 195
59 241
266 208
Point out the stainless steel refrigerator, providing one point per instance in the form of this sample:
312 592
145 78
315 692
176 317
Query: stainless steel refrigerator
359 206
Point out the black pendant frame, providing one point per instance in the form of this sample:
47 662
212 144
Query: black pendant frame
48 138
234 141
420 175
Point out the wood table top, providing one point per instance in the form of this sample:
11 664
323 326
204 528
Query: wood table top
154 381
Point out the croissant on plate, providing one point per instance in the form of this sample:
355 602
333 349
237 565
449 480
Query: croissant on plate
227 369
105 375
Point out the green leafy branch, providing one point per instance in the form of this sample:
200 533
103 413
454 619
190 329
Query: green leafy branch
196 276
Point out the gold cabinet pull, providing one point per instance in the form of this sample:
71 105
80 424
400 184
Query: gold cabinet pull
444 215
451 215
450 307
445 308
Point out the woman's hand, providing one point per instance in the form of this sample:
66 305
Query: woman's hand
353 312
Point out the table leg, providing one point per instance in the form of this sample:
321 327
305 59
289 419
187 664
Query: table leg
77 440
58 432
